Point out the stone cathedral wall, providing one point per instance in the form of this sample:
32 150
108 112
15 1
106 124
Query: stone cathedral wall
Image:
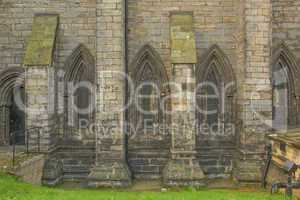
216 22
77 25
285 24
243 29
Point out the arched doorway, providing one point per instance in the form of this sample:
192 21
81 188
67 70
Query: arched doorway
12 106
216 136
148 143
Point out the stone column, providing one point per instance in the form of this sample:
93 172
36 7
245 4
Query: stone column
40 82
40 93
257 108
183 167
111 167
40 106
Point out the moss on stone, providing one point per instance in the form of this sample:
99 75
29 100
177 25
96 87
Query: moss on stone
183 42
41 42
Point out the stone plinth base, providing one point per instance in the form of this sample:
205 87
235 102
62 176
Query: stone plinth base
249 168
116 174
53 172
183 173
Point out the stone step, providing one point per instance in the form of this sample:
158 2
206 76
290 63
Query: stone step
148 153
77 161
148 164
75 176
147 176
76 168
76 152
143 185
216 163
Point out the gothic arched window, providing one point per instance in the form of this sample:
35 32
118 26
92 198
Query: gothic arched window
286 89
147 115
148 104
212 105
149 77
215 97
280 97
12 106
79 89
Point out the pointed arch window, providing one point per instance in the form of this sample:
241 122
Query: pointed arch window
17 115
281 100
146 115
148 101
216 86
285 89
212 106
12 116
149 76
79 89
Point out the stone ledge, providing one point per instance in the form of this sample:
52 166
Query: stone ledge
110 174
53 172
183 173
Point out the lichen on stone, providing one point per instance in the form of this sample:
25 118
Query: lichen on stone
42 40
183 42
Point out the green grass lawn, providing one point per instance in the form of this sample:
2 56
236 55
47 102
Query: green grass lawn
12 189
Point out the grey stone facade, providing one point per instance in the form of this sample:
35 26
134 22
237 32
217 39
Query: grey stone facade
234 42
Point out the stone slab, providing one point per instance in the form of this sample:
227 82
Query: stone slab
183 42
40 46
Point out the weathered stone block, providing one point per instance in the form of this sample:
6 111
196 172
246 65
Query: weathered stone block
110 174
53 172
183 173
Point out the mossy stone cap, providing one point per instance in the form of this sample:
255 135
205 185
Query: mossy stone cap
42 40
183 42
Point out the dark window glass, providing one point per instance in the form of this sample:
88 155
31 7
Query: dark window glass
17 117
280 98
148 104
212 101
